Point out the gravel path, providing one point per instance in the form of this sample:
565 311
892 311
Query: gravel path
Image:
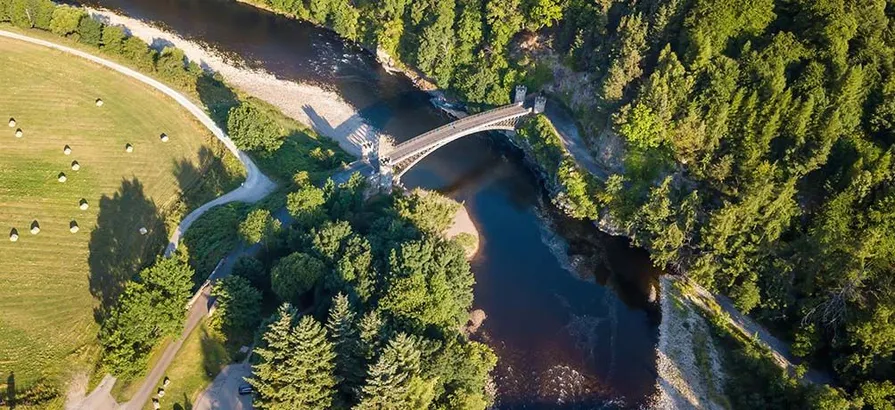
255 187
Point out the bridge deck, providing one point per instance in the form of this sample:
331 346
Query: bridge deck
420 143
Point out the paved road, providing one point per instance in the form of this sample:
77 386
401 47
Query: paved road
223 393
255 187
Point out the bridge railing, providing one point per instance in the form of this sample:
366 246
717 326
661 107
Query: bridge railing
452 125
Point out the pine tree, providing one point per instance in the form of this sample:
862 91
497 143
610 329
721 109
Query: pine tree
311 367
372 335
390 378
269 377
344 333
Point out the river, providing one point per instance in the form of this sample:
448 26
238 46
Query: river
567 306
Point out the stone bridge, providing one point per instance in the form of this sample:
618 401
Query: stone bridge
395 162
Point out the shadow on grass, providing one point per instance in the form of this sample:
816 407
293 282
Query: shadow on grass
186 405
205 179
10 391
118 247
217 97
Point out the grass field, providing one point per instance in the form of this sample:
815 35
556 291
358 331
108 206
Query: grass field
52 284
198 361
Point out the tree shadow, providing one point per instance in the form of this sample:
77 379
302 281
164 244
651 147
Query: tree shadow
118 247
217 97
10 391
205 179
356 129
187 404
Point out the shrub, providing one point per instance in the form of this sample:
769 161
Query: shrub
66 19
113 39
91 31
253 130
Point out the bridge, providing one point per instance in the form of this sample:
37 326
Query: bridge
395 162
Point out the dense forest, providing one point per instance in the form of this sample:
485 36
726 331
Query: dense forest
756 140
385 298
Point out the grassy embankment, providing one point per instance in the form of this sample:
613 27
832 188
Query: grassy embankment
54 281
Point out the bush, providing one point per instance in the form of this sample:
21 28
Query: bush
113 39
66 19
253 130
139 53
91 31
211 237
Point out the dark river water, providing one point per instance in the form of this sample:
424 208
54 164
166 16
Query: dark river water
567 306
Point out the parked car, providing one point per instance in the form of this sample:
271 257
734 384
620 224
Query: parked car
245 389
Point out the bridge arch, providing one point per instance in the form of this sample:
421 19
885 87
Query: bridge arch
407 154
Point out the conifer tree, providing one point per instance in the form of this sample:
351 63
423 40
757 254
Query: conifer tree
311 367
392 376
371 335
270 376
343 331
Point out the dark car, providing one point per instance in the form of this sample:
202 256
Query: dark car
245 389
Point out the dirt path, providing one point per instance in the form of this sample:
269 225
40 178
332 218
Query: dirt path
778 348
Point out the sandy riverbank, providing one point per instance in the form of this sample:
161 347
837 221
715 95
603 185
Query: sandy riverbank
322 110
688 364
463 224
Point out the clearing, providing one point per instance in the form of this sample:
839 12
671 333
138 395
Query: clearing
53 284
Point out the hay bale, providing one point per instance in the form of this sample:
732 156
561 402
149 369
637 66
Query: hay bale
62 177
83 204
163 137
99 102
75 166
13 235
12 122
35 227
143 230
128 148
66 150
73 227
19 133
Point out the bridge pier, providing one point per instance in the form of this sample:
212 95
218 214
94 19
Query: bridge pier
386 174
519 97
540 103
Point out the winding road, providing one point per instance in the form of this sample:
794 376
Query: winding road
256 186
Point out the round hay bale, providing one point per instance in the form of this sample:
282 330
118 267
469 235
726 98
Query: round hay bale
62 177
99 102
83 204
163 137
75 166
35 227
128 148
73 227
12 122
143 230
66 150
13 235
19 133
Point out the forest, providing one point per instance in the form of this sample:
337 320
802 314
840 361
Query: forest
756 141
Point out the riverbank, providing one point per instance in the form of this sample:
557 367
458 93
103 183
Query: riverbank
322 110
689 365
